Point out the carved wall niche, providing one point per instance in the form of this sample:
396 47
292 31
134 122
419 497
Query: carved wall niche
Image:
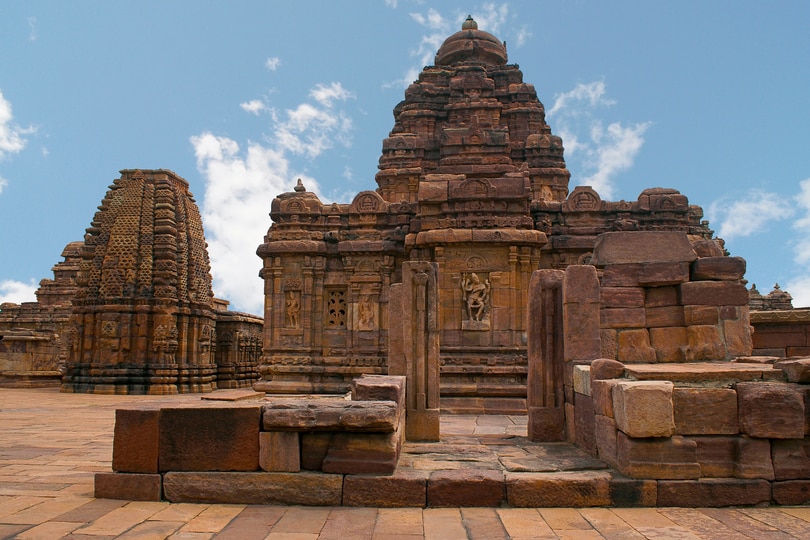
476 293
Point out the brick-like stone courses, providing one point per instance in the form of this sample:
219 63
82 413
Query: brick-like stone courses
711 433
660 302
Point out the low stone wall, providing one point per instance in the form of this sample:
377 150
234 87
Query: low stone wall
781 333
720 433
196 453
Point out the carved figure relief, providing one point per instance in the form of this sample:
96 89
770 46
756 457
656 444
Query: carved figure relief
476 295
293 309
366 314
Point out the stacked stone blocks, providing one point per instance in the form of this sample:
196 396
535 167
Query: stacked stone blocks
285 451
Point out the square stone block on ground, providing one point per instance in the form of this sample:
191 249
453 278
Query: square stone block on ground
128 486
305 489
213 438
644 408
659 458
466 487
713 492
705 411
567 489
402 489
135 440
279 451
771 410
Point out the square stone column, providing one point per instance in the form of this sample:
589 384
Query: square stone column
414 346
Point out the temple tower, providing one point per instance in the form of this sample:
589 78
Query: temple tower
143 319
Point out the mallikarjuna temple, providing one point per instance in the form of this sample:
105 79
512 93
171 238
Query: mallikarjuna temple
471 280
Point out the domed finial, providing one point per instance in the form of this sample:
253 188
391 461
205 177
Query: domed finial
469 24
299 187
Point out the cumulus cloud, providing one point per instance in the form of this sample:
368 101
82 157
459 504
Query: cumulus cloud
3 184
17 292
272 63
242 180
12 139
254 106
601 153
749 214
801 248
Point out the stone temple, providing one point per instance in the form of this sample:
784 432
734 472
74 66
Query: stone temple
472 179
470 281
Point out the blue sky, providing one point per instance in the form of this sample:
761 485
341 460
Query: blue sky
242 98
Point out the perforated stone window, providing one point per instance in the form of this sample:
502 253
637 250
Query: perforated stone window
336 309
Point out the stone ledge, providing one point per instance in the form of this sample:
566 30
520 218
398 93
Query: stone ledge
331 415
704 372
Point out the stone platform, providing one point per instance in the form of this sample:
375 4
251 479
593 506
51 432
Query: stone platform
52 444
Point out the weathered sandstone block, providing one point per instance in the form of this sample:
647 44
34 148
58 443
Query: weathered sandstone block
602 394
379 388
623 317
330 415
610 342
606 433
704 343
663 274
582 380
314 447
135 440
404 488
563 489
771 410
606 368
279 451
362 453
701 315
718 268
705 411
222 438
734 457
714 492
634 346
796 369
657 317
128 486
661 296
307 489
623 247
660 458
621 297
466 487
644 408
669 343
584 423
791 492
713 293
581 313
738 337
791 459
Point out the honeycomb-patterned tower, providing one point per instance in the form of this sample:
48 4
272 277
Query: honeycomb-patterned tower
143 318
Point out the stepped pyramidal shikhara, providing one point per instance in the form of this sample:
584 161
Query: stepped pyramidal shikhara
471 179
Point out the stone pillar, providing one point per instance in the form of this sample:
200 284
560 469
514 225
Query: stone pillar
545 398
582 341
414 346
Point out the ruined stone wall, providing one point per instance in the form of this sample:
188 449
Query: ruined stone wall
782 334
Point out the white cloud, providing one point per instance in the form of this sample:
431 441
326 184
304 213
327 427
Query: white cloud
242 182
3 184
32 26
600 153
523 35
799 289
613 151
391 3
11 135
272 63
749 214
254 106
592 93
17 292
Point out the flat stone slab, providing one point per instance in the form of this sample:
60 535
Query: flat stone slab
244 394
721 372
331 415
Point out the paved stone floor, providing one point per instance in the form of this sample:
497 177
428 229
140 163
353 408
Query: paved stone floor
51 444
